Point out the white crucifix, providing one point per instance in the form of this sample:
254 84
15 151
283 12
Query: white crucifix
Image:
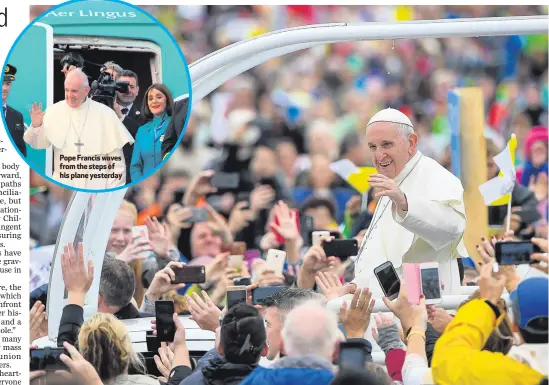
79 146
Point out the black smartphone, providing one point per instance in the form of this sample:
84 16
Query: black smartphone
225 181
243 196
341 248
199 214
352 355
178 195
165 327
259 294
268 182
189 274
47 359
242 281
235 295
307 225
152 342
388 279
515 253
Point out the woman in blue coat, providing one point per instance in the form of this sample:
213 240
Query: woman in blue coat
147 152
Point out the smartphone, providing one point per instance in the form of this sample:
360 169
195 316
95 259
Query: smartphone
140 233
235 295
317 236
189 274
242 281
165 327
199 214
47 359
430 283
341 248
352 355
225 181
268 182
152 342
279 238
388 279
243 196
259 294
515 253
413 282
238 248
275 261
235 261
307 224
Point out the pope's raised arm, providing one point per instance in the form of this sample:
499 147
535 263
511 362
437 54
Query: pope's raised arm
35 136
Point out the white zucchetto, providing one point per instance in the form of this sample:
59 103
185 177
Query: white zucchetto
390 115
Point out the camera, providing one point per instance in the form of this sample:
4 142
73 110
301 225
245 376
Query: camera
103 90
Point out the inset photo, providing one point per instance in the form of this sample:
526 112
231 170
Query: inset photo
95 95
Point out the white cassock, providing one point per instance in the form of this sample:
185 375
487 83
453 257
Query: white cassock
90 135
430 231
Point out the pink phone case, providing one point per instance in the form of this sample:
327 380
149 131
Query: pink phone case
413 282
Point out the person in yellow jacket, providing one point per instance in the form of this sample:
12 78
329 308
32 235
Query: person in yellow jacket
458 357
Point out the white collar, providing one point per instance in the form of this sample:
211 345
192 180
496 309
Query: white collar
408 167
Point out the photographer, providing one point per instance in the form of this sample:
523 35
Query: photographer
128 111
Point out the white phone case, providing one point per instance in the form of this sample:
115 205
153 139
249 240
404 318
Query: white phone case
276 260
235 261
141 233
430 265
318 236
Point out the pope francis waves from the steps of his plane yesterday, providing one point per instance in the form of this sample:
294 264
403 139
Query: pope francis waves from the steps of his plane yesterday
87 137
420 216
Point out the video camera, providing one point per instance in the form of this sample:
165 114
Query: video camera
103 90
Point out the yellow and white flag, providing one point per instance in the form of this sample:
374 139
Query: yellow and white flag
497 191
355 176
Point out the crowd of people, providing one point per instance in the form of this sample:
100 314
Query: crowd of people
280 130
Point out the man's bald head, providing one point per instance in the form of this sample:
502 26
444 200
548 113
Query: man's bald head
77 88
392 141
310 329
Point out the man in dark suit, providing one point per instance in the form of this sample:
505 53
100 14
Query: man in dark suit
175 127
129 112
14 119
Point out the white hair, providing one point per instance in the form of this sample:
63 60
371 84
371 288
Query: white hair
310 329
79 73
405 130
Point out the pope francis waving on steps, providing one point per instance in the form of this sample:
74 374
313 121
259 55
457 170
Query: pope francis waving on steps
87 138
420 216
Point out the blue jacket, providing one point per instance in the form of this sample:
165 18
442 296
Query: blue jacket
306 370
147 150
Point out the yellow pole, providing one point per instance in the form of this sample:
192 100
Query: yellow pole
469 129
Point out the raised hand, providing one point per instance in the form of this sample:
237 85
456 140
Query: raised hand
203 311
38 321
356 319
164 359
158 234
76 277
490 288
240 217
261 197
389 188
136 250
37 116
81 371
199 186
162 282
330 284
287 226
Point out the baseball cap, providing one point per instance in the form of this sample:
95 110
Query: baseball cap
530 305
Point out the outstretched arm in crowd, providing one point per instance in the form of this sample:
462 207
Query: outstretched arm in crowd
458 357
78 280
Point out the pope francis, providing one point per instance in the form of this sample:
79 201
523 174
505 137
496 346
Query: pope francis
87 138
420 216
